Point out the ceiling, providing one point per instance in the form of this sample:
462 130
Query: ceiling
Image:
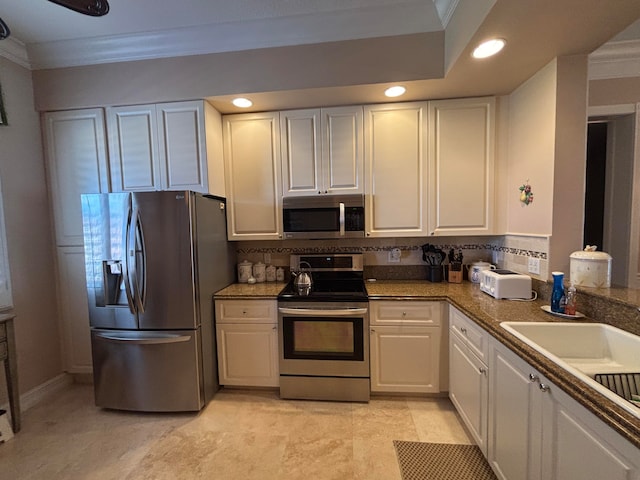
440 32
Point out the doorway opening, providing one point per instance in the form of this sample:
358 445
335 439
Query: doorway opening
609 195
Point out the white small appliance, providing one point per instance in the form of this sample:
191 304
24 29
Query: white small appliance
505 284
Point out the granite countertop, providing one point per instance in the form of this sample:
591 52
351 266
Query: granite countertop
488 313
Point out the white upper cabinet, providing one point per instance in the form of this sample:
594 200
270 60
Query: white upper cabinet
322 151
461 166
396 169
76 153
168 146
133 148
253 181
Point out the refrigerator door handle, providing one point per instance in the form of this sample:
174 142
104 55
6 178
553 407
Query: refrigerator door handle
142 340
140 270
128 286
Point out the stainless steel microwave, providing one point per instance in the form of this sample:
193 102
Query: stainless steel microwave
326 216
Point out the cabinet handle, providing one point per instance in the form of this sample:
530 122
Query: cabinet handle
274 328
482 370
373 330
544 387
404 314
244 312
463 330
533 377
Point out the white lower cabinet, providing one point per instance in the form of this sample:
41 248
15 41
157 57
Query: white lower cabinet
74 311
537 432
247 341
468 376
405 346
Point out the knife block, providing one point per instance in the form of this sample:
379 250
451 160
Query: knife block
454 274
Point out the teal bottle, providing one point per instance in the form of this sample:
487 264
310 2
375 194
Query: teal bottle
557 294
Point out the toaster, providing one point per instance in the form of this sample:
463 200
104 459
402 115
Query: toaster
505 284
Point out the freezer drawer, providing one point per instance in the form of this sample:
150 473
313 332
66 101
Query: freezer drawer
150 371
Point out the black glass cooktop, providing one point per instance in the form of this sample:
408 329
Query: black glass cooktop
328 288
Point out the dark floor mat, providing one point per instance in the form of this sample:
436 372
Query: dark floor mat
441 461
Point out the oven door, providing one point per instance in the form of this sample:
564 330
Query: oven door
324 339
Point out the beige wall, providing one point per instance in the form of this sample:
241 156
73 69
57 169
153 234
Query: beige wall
546 147
28 226
614 91
530 153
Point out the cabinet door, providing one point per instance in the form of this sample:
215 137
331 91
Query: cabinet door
461 160
515 424
248 354
76 154
468 389
182 146
342 150
576 444
74 310
405 359
396 169
253 183
133 148
301 153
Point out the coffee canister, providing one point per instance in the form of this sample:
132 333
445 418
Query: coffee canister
244 271
590 268
259 272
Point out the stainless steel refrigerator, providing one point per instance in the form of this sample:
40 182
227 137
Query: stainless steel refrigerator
153 262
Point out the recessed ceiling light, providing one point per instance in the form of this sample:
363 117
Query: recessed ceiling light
242 102
395 91
488 48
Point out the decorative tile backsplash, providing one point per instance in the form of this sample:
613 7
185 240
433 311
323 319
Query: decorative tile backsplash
511 252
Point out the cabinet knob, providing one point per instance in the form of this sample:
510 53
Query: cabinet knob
482 370
373 330
368 234
463 330
544 387
274 328
244 312
326 191
319 192
404 314
533 377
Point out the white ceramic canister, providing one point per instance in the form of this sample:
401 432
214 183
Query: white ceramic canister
280 274
259 272
244 271
590 269
271 273
475 268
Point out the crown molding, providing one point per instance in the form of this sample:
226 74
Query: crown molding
445 10
235 36
615 60
15 51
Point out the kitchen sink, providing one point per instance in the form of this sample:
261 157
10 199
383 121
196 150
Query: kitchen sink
585 350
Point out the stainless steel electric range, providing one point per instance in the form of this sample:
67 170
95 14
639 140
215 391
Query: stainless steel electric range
324 331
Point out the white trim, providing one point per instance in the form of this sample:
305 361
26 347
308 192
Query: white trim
237 36
533 235
42 391
16 51
615 60
445 9
606 110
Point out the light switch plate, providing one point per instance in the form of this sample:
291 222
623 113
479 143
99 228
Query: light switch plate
534 265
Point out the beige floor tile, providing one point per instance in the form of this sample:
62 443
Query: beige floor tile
241 434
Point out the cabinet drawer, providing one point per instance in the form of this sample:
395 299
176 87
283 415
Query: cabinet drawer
405 312
475 336
246 311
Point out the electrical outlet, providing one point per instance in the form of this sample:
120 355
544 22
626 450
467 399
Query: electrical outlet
394 255
534 265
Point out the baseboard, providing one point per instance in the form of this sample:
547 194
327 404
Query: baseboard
42 391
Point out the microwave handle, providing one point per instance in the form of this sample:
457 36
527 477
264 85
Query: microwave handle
341 219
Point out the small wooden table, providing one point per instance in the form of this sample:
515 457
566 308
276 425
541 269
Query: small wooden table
8 356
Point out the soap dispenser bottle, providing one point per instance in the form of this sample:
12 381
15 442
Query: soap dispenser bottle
557 294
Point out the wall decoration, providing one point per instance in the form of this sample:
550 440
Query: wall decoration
3 113
526 195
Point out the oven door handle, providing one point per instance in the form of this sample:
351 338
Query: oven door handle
341 219
313 312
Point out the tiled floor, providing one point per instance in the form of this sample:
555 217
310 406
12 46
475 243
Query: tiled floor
239 435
